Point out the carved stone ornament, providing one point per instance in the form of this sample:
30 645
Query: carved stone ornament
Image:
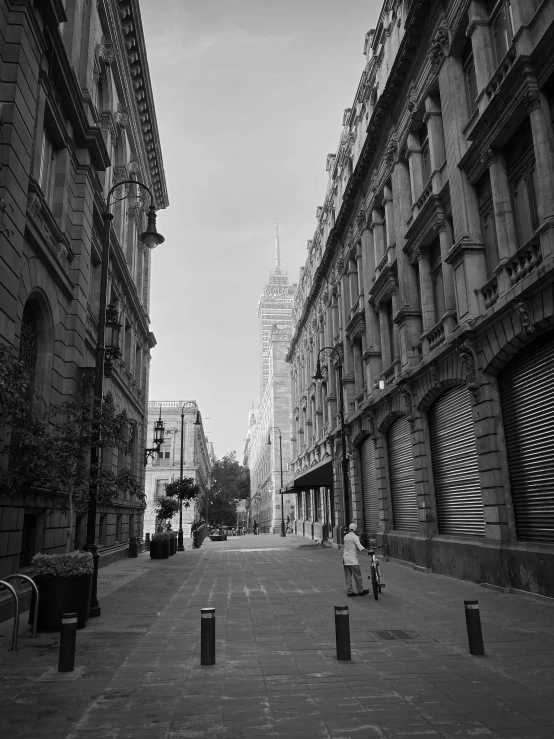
325 297
406 392
391 153
532 100
361 218
489 157
527 324
466 350
434 374
388 404
439 46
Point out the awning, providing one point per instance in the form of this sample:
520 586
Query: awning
321 475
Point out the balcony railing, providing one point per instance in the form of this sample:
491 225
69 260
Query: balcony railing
163 463
526 259
489 291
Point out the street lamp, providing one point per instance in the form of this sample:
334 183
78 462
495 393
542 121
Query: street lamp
108 318
159 433
281 491
318 377
197 422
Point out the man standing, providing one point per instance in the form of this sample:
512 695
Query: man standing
352 546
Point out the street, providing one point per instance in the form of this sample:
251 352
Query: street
138 671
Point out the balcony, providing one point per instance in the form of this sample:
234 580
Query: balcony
489 292
163 463
525 261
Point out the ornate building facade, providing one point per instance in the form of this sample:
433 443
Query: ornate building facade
165 465
77 116
430 274
263 459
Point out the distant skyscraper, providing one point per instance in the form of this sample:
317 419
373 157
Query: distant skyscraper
274 308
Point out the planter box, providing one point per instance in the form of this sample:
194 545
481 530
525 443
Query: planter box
159 549
59 595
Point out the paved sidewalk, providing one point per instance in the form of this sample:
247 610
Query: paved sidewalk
276 673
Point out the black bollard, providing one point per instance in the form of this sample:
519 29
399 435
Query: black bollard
342 633
473 623
68 640
207 636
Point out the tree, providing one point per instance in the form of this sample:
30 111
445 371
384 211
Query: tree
230 483
166 508
52 452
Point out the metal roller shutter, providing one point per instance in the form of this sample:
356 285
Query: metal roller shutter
527 396
401 473
369 487
457 484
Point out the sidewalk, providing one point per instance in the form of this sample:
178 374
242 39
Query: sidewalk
276 673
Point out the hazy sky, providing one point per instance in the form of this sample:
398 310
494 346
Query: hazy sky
249 98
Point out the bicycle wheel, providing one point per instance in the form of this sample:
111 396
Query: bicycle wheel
374 583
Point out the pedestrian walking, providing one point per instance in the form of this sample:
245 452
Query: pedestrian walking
288 527
352 546
255 527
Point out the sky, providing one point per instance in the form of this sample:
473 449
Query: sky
249 98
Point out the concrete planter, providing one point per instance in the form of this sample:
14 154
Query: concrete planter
159 548
59 595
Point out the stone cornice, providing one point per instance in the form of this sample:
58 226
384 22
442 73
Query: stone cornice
130 27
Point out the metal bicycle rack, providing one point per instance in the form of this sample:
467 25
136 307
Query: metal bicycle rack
16 614
13 591
19 576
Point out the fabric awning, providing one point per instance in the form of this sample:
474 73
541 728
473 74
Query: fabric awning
321 475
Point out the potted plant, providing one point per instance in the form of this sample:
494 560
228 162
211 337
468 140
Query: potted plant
64 582
160 545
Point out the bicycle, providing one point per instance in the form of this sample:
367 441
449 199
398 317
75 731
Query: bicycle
375 576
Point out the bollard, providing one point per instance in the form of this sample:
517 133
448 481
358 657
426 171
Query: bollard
207 636
473 623
342 633
147 541
133 547
68 639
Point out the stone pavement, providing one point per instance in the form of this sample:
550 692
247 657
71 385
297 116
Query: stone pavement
276 674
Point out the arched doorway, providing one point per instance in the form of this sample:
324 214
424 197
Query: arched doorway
401 475
454 454
527 397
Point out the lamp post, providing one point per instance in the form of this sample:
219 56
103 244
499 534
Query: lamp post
104 359
159 433
318 377
281 491
197 422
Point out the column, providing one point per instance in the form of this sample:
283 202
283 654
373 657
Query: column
360 271
409 326
389 215
353 285
395 349
445 239
427 302
502 204
437 151
385 337
358 377
481 44
543 142
378 236
413 155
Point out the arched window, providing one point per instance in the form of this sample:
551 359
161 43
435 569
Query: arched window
36 348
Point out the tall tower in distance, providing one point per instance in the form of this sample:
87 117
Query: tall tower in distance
274 308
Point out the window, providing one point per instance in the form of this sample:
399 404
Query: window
425 154
520 164
160 488
488 223
47 169
391 331
165 452
435 262
470 78
501 24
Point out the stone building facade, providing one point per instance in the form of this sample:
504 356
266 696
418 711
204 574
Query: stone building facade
165 465
431 274
76 116
263 459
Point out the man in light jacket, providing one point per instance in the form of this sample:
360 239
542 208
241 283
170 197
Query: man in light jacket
352 546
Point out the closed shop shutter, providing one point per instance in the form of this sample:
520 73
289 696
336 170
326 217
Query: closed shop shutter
527 394
457 485
401 472
369 486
